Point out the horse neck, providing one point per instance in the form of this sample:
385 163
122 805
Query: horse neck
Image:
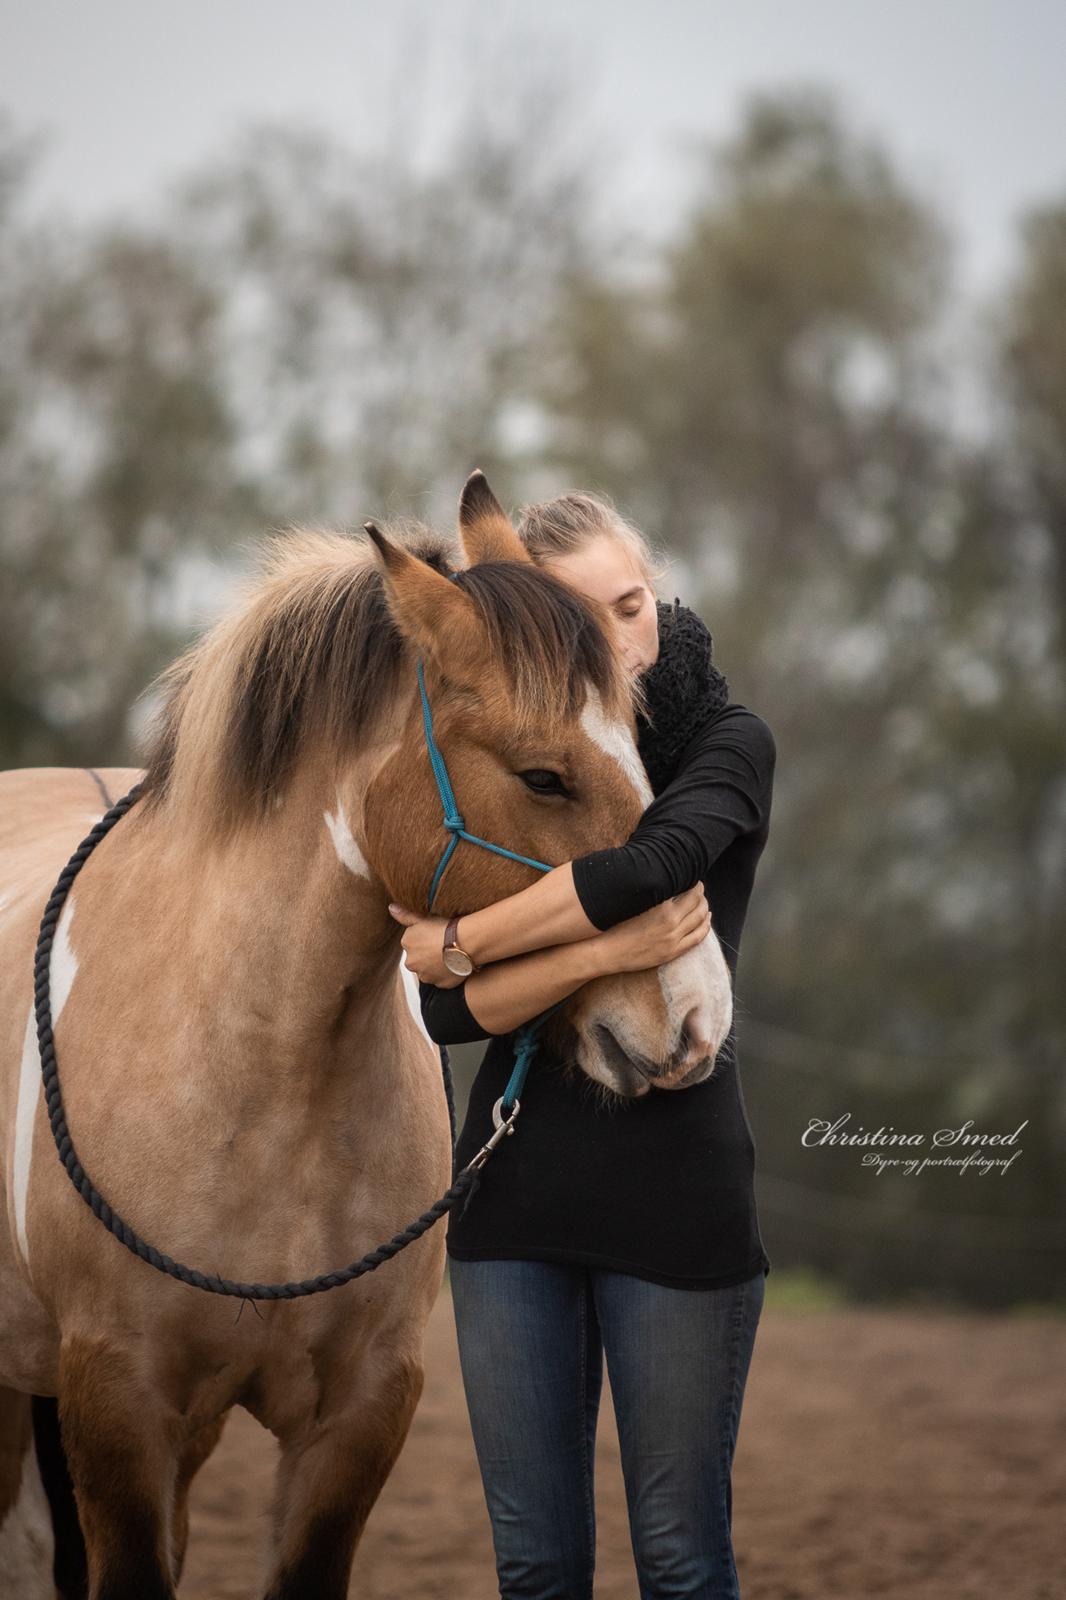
282 933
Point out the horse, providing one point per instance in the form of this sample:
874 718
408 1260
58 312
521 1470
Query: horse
243 1064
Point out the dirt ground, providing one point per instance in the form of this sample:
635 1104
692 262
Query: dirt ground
912 1454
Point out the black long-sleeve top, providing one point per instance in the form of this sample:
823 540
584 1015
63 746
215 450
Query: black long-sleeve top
662 1186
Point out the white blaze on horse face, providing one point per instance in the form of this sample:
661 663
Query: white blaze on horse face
62 969
344 842
617 740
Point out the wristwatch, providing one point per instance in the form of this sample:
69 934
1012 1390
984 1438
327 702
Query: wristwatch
455 959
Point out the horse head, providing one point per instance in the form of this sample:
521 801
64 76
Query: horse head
533 714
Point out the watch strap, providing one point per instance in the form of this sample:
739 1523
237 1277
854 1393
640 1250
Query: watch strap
451 940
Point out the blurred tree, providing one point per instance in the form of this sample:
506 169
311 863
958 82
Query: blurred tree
115 466
1033 349
301 336
382 318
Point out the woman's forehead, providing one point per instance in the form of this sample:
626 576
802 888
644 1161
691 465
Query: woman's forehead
605 568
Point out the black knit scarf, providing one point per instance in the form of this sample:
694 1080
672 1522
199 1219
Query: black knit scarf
684 688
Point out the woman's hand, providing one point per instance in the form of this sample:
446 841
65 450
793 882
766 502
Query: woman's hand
423 944
656 936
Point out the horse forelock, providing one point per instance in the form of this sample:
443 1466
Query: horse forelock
546 642
309 652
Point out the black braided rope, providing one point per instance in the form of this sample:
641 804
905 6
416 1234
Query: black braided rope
84 1185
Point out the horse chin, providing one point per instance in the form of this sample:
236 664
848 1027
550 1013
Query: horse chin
695 1074
603 1060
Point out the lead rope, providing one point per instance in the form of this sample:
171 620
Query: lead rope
507 1107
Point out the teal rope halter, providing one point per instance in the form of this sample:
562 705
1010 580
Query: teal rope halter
508 1105
453 819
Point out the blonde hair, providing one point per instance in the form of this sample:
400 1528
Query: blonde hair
558 527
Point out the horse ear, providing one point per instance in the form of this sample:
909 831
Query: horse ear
426 606
485 530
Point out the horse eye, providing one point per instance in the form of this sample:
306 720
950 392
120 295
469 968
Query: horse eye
543 781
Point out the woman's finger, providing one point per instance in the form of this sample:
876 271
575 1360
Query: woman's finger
402 914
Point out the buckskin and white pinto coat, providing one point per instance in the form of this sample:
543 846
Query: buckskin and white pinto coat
245 1074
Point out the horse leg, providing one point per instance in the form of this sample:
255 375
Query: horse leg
123 1466
331 1473
69 1569
26 1541
192 1457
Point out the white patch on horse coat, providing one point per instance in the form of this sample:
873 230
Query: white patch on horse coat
616 739
62 969
344 842
410 985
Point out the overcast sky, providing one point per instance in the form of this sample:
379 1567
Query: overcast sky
968 94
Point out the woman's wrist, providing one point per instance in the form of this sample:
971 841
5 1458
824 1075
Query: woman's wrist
468 938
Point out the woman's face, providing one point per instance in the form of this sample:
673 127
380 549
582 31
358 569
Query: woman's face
605 570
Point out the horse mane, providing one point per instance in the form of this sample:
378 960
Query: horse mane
310 652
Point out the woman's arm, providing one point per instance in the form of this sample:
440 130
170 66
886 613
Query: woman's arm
507 993
547 912
722 790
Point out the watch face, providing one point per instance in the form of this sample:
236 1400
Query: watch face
458 961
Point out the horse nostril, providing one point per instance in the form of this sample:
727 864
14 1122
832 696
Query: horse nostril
696 1035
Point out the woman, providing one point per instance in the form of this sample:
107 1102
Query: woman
627 1228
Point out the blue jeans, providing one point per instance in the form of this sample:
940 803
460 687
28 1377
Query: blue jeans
532 1336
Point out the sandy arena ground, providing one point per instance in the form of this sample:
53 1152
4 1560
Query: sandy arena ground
910 1454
